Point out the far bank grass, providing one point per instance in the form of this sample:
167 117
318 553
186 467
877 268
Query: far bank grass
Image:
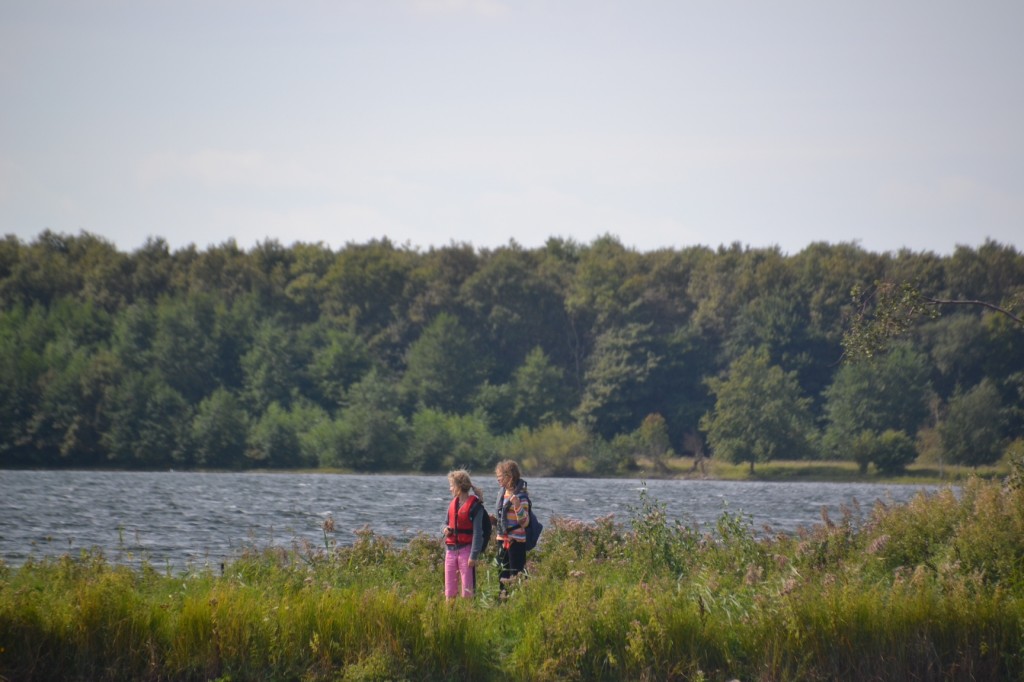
933 589
836 471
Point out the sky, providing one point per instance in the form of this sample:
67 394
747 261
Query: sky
891 124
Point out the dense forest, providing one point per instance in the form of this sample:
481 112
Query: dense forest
573 358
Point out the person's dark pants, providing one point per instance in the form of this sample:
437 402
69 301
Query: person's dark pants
511 561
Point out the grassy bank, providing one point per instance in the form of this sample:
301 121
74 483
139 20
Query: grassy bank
833 471
933 590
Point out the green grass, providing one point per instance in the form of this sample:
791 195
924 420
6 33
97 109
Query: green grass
933 589
838 471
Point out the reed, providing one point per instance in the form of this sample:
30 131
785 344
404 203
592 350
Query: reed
931 590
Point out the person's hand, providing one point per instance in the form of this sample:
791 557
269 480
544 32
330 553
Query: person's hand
473 563
494 519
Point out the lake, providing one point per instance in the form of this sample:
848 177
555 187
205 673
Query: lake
188 519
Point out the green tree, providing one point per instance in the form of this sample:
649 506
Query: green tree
759 414
540 391
367 285
514 305
281 436
373 435
269 367
220 428
551 450
308 265
989 280
823 274
652 437
341 359
973 431
274 439
183 348
439 277
152 271
431 442
442 367
63 423
896 451
148 423
619 380
441 442
890 451
132 337
609 280
890 392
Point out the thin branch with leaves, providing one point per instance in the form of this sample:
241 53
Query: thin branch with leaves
889 310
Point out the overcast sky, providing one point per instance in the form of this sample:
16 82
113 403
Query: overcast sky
887 123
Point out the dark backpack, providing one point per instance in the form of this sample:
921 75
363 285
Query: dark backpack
485 523
534 528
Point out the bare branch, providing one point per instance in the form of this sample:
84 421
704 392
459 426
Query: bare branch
984 304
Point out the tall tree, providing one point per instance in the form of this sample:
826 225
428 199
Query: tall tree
890 392
339 359
760 413
514 306
148 423
442 367
183 348
219 430
269 367
367 285
973 431
618 380
540 392
373 435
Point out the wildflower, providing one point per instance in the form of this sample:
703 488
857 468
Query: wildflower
878 544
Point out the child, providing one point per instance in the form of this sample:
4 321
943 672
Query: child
463 535
512 517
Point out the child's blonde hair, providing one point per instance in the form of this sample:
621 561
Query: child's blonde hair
460 479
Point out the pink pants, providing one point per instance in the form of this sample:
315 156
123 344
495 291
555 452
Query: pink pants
456 566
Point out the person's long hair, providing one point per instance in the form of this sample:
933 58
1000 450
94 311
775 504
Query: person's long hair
509 468
460 479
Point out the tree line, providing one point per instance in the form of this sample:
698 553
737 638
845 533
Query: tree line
573 358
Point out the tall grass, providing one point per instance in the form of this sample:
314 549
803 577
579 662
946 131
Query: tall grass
930 590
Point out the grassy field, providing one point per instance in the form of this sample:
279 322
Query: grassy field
931 590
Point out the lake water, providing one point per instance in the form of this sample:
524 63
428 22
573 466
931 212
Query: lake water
185 519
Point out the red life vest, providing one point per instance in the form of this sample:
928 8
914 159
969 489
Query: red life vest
460 522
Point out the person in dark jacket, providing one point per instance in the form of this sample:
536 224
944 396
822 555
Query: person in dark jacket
512 517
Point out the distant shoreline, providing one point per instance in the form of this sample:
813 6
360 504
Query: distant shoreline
811 471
